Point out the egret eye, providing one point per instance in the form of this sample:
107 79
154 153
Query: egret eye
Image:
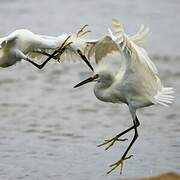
96 76
3 43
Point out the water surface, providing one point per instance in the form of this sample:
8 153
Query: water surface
48 130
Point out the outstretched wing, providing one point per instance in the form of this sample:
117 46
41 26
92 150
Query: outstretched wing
137 61
86 46
103 47
133 44
139 37
119 34
77 42
109 44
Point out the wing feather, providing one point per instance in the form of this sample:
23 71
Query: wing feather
139 53
104 47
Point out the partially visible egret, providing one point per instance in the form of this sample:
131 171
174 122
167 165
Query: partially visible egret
136 84
22 44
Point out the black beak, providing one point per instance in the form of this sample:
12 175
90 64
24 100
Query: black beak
90 79
85 60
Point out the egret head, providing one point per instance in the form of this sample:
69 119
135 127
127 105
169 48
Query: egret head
90 79
103 76
10 41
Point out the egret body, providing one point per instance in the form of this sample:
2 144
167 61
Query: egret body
22 44
136 83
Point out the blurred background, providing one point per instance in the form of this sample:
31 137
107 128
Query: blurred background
48 130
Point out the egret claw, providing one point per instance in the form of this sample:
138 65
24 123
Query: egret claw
85 32
111 142
81 32
117 164
61 50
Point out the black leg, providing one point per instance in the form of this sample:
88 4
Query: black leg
136 124
59 49
50 56
116 138
39 66
62 51
57 53
45 53
120 162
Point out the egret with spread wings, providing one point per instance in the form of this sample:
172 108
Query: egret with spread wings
136 83
22 44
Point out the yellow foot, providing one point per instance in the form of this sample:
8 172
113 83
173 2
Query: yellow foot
60 51
111 142
62 48
82 31
118 163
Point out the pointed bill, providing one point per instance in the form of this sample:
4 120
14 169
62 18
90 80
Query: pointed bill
90 79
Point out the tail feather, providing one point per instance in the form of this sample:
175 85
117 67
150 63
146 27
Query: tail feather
164 96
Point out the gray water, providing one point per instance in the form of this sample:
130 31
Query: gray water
50 131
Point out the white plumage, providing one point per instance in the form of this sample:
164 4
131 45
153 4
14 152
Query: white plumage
144 69
23 44
136 83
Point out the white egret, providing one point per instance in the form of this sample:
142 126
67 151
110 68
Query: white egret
23 44
136 84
